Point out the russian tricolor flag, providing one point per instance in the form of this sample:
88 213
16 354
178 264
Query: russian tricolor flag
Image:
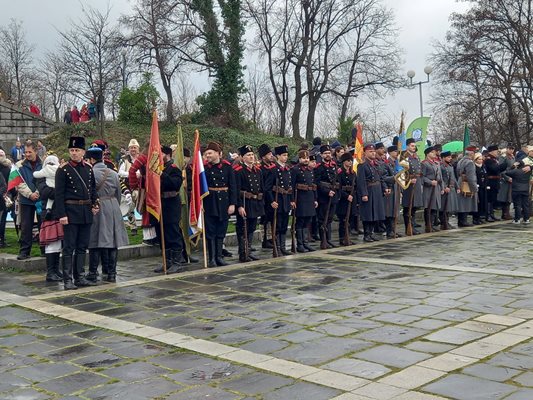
198 191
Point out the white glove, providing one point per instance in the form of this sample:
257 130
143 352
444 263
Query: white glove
128 199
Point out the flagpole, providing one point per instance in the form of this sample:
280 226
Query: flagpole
203 240
163 249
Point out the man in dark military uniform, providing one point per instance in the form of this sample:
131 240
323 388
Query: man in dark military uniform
328 194
505 193
432 187
267 164
220 203
392 200
278 193
171 180
347 205
304 199
494 169
412 196
250 202
370 192
381 162
76 202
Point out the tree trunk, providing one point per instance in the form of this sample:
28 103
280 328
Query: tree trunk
295 120
480 108
170 98
283 121
311 112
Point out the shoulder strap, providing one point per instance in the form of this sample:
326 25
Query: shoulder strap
81 179
104 178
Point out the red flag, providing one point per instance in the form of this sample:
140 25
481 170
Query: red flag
359 143
154 167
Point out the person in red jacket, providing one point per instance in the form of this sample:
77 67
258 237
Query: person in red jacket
84 113
75 115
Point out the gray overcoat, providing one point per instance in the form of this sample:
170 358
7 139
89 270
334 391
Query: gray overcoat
449 200
466 169
415 172
503 195
431 172
108 230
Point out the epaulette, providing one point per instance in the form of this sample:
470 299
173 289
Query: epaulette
63 164
237 167
226 162
318 165
270 166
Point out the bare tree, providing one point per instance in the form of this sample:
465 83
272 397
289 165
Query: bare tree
17 55
54 82
185 95
154 30
89 48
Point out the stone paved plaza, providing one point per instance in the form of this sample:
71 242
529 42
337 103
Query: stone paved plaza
442 316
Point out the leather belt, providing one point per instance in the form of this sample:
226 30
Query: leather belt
304 187
328 185
494 177
373 183
79 202
168 195
252 196
280 190
347 188
219 189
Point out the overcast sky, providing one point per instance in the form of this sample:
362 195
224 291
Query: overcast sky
420 22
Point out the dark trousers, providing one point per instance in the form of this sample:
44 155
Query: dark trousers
75 246
251 225
3 219
322 210
282 223
172 231
302 222
27 214
521 205
215 228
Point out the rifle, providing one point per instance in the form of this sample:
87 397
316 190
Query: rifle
409 229
245 228
293 224
346 240
444 222
273 227
396 206
324 242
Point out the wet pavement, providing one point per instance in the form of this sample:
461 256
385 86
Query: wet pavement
446 315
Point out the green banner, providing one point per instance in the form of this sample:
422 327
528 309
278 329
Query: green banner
418 130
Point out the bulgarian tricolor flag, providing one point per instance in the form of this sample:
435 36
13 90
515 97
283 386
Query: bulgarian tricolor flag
15 178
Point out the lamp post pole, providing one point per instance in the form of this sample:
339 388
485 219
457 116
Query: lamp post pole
411 74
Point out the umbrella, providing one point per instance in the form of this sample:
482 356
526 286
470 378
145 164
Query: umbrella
454 147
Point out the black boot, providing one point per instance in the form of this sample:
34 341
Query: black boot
330 242
251 255
266 244
51 268
323 240
159 268
463 220
94 260
371 227
68 272
112 257
79 271
219 259
3 243
211 251
390 231
176 262
300 241
305 243
226 253
366 232
282 242
406 223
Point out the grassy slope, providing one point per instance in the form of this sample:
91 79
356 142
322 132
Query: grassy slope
117 135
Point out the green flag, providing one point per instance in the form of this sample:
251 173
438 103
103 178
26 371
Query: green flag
418 130
466 138
180 162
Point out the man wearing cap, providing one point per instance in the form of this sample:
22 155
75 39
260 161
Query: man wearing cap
449 184
102 144
412 197
505 193
494 168
304 199
220 203
76 202
381 162
250 201
347 206
392 200
370 192
432 187
171 180
278 195
328 194
468 190
267 164
107 230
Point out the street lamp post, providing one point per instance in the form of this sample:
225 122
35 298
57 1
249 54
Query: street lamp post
411 74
